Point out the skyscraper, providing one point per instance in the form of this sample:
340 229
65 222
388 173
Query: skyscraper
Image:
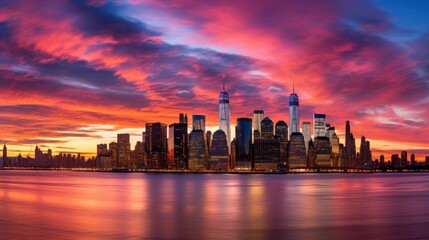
183 118
4 162
293 112
306 131
297 154
156 145
243 134
323 152
196 150
330 130
413 159
224 115
219 152
365 152
178 145
281 130
123 149
199 122
335 143
350 146
267 154
404 158
267 127
319 124
258 115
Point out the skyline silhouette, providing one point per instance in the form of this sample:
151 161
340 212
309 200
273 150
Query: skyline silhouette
72 73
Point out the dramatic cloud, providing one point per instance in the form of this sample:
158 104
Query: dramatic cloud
74 72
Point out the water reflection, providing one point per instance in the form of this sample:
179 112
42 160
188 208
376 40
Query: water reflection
70 205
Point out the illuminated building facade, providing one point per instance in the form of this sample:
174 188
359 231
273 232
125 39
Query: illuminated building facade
224 114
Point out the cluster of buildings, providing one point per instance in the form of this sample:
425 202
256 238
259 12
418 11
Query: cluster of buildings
46 160
259 145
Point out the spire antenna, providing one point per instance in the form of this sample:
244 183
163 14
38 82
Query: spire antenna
223 82
293 83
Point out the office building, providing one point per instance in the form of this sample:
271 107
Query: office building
178 145
297 153
306 131
267 128
319 124
258 115
322 152
243 134
219 156
197 151
199 122
156 145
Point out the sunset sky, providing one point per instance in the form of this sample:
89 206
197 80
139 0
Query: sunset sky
76 73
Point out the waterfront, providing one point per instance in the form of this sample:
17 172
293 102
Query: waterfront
91 205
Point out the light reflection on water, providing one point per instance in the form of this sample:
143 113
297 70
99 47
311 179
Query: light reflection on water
85 205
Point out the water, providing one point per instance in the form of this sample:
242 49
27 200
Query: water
85 205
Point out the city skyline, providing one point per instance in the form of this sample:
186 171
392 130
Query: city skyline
113 67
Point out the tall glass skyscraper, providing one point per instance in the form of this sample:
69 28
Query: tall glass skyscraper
224 115
293 112
243 137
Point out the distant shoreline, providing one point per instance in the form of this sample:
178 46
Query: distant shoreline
159 171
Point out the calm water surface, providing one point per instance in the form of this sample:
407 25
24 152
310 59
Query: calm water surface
84 205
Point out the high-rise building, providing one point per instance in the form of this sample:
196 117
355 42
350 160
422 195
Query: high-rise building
396 161
413 159
293 112
224 115
113 150
266 154
124 149
183 118
335 143
382 163
208 143
243 134
319 124
329 132
281 130
404 158
306 131
267 128
197 151
281 133
5 160
137 157
310 154
103 159
258 115
322 152
178 145
350 147
102 149
156 145
365 152
297 153
199 122
219 152
233 161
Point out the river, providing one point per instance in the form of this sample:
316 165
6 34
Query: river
96 205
